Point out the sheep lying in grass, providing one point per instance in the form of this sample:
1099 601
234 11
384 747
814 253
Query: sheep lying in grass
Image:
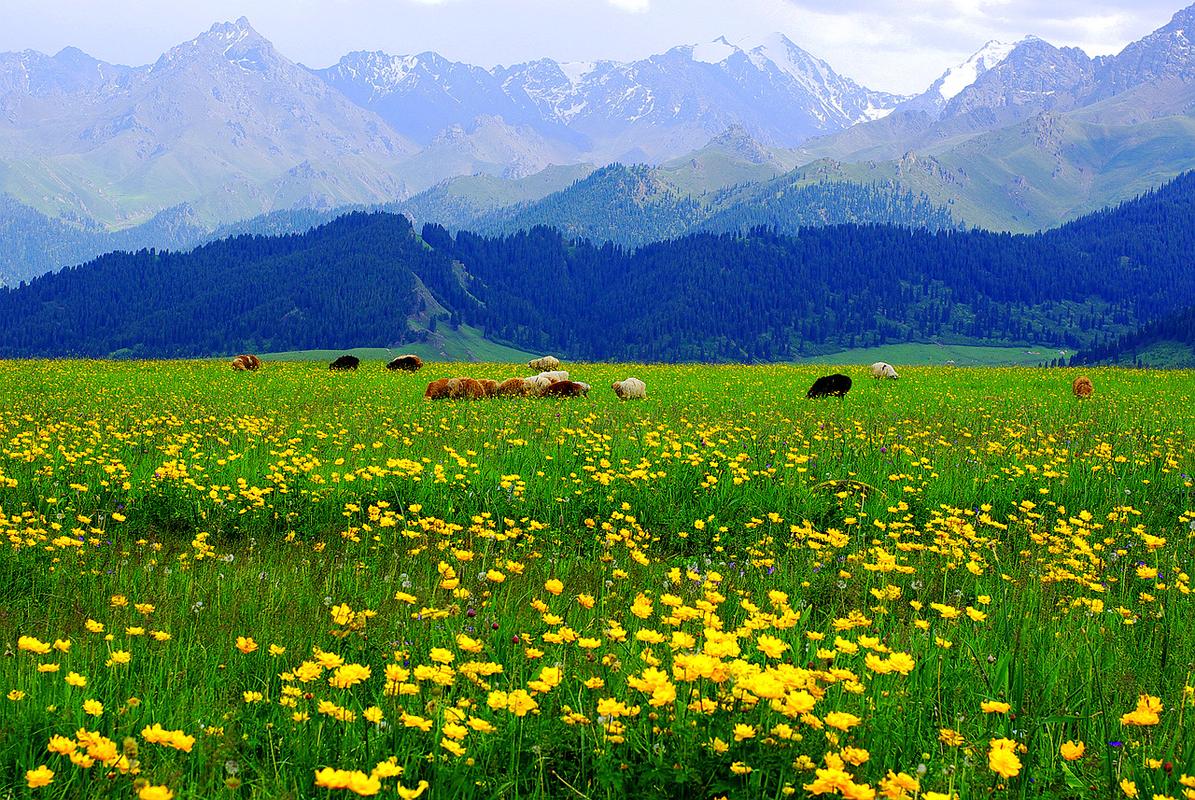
1082 387
246 362
513 387
555 375
882 369
567 389
630 389
437 389
544 363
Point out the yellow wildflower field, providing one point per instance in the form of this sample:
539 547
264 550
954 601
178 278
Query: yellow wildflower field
300 583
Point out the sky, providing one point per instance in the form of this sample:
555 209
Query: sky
893 45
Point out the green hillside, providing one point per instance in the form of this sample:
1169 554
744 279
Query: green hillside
465 344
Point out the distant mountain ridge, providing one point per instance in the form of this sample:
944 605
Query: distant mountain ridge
653 108
370 279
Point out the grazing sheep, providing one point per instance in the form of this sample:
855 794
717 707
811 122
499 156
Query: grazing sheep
567 389
512 387
881 369
556 375
246 362
489 387
536 384
836 385
406 363
630 389
468 389
545 363
345 362
437 389
1082 387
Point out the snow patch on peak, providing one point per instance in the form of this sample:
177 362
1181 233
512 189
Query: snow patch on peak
576 71
991 55
714 52
779 50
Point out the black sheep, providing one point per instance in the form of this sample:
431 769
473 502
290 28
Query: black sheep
836 385
345 362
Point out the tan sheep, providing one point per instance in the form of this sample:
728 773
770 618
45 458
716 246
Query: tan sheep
437 389
630 389
544 363
512 387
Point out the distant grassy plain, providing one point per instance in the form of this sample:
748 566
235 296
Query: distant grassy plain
305 584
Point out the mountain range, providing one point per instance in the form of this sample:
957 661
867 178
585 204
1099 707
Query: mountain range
224 133
373 279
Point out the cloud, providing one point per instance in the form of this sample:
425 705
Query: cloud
632 6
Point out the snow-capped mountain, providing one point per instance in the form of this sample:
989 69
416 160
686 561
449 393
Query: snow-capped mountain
222 121
656 107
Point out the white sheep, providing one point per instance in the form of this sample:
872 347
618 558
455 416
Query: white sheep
545 363
881 369
630 389
555 376
536 384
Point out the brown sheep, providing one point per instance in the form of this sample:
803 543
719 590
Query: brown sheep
489 387
512 387
246 362
469 389
436 390
567 389
1082 387
406 363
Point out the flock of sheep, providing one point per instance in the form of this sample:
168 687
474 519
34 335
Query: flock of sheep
550 382
554 382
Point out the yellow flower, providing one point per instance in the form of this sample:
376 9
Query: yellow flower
246 644
75 679
1072 751
1129 788
554 586
842 720
441 656
411 794
771 646
42 776
950 738
739 768
16 695
33 645
1146 713
742 731
276 650
994 707
1004 762
155 793
93 707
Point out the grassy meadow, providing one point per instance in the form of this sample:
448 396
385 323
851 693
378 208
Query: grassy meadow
303 584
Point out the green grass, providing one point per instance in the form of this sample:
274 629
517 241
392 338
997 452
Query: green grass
944 355
719 590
